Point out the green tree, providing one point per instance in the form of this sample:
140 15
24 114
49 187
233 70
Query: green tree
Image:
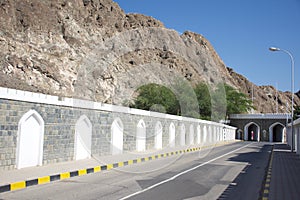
189 102
186 97
157 98
219 104
296 112
204 100
226 100
237 102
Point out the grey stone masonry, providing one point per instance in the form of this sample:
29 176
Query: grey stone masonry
264 123
59 127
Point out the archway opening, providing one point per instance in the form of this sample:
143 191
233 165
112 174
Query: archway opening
239 134
277 132
253 132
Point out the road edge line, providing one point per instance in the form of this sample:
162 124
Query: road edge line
182 173
13 186
265 190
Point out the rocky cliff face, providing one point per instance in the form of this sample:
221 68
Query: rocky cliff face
91 49
266 99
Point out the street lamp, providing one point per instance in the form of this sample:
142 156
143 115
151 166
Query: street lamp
292 85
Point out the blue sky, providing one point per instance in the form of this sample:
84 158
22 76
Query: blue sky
240 31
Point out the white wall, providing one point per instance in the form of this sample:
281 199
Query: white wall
197 130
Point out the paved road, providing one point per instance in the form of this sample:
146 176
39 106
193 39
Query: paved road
234 171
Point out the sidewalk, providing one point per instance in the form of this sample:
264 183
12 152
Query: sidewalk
22 178
284 174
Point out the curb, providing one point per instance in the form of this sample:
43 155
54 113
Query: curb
267 181
66 175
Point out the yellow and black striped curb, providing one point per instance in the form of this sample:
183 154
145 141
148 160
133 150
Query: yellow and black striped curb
267 181
47 179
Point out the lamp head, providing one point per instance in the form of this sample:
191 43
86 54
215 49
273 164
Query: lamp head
274 49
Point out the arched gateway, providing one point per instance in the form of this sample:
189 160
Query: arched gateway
276 132
261 127
252 132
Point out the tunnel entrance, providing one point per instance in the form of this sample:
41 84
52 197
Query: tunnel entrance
252 132
276 132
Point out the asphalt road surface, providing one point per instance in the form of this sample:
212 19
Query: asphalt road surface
234 171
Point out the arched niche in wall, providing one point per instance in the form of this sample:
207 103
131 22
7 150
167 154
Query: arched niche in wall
198 134
209 133
117 137
191 135
83 138
182 135
172 135
158 135
204 134
141 136
30 140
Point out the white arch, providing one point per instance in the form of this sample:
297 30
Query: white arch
209 134
172 135
285 135
141 136
246 130
214 134
220 133
182 135
30 140
117 137
198 134
239 133
271 131
204 140
217 133
83 138
191 135
224 135
158 135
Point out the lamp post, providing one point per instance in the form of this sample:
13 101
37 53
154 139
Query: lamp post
292 85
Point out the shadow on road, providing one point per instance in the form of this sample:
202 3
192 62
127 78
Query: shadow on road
285 182
248 184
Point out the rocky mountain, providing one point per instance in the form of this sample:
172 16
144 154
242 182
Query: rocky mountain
91 49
